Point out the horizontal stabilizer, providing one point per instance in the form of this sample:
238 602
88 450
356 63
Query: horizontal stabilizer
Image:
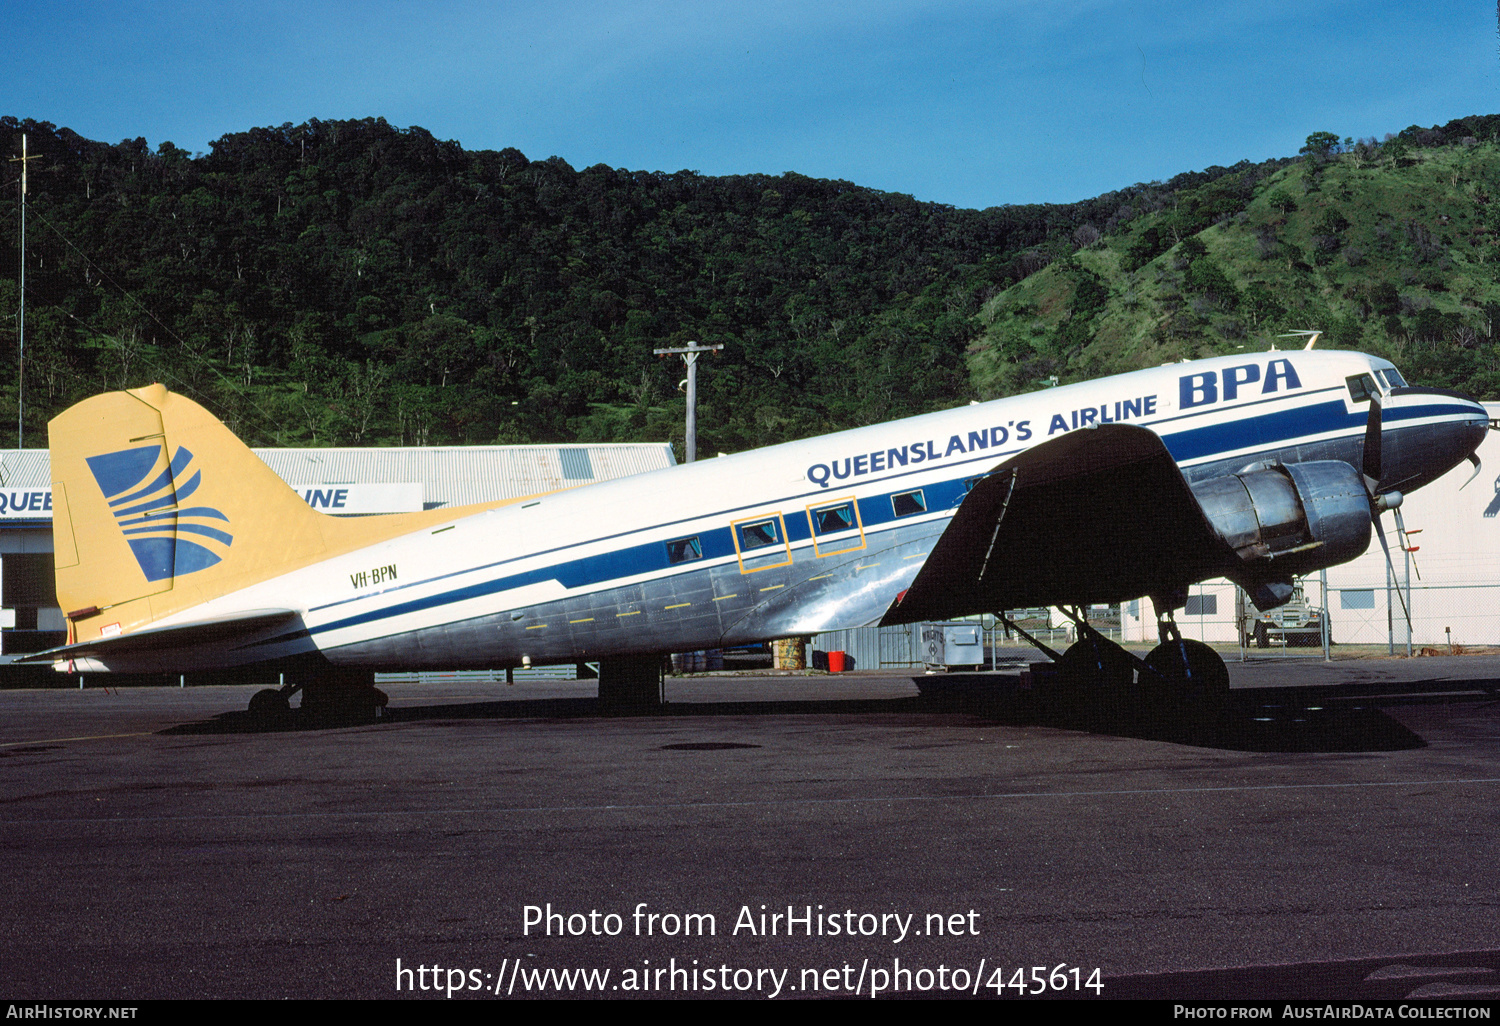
216 630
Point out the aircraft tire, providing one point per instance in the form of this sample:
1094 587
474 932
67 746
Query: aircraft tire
1094 685
269 702
1201 687
1109 666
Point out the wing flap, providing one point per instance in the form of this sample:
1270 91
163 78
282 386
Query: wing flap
1100 515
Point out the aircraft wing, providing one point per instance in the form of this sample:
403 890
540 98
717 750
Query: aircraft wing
1100 515
217 630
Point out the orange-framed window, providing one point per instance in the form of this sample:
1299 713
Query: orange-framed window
761 542
836 527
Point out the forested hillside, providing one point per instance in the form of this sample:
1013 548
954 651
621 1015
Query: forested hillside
1390 247
355 283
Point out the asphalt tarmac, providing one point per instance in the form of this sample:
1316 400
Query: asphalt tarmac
1335 837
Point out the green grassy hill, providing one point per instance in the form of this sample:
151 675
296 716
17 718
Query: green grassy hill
1392 249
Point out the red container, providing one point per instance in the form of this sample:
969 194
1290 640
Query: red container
836 662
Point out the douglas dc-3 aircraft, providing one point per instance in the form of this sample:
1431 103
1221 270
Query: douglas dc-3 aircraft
178 550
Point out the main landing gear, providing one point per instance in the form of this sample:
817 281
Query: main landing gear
1180 682
329 695
1190 675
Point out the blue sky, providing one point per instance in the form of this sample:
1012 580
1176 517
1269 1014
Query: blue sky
973 104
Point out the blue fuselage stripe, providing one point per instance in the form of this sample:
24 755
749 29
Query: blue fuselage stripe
1266 433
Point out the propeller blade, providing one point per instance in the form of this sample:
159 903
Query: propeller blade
1372 461
1386 548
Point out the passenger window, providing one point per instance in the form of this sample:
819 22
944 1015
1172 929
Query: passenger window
683 550
758 535
1361 387
904 504
833 518
836 528
761 543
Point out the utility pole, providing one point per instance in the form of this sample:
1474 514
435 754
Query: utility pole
24 158
689 356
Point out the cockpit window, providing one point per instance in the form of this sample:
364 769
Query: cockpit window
1361 387
1392 378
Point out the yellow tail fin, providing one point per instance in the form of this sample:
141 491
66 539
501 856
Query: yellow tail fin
158 507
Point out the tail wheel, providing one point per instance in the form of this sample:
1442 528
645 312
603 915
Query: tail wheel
269 702
1195 676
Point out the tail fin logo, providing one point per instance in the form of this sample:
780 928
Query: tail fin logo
146 498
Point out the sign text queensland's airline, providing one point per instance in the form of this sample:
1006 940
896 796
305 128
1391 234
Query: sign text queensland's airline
1199 389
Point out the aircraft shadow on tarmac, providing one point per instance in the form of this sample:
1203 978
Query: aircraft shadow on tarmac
1334 718
1255 719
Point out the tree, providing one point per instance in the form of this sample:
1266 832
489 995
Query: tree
1260 303
1321 145
1282 201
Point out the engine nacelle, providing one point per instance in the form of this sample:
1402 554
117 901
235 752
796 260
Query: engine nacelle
1288 520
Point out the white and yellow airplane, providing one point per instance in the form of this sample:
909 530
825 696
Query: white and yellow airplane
178 550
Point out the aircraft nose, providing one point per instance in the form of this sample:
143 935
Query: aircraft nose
1470 422
1449 427
1478 426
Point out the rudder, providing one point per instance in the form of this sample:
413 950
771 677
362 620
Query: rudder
159 507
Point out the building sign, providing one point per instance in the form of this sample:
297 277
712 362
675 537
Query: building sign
338 499
25 503
363 498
